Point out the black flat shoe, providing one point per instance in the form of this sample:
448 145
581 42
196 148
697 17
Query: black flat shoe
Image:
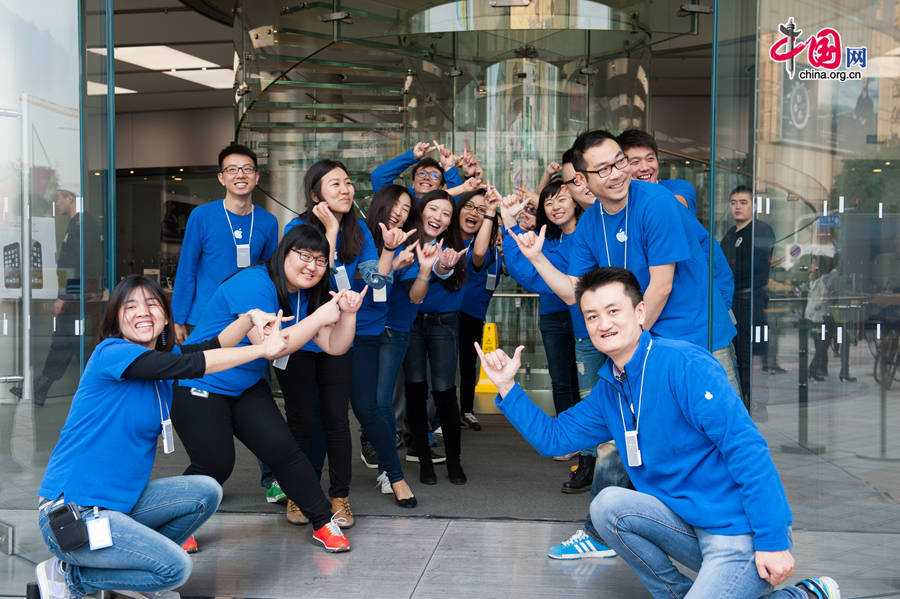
408 502
848 378
427 475
455 474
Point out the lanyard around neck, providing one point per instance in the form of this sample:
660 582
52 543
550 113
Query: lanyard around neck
606 244
228 218
159 399
637 422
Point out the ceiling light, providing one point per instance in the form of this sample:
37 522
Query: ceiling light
99 89
157 58
215 78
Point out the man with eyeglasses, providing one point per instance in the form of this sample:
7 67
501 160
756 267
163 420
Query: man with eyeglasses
427 175
221 238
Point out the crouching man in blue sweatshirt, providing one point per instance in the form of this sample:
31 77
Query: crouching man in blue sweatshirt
706 491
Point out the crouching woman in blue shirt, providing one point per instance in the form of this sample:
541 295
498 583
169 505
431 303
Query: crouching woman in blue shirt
106 449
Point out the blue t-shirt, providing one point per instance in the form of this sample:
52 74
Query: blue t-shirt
363 261
393 168
684 189
658 232
107 446
208 253
248 289
440 299
476 295
401 311
524 273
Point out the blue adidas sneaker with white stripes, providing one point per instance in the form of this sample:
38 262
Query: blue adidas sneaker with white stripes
579 546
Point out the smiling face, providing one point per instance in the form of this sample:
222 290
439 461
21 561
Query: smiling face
560 209
614 324
302 269
427 178
399 212
142 317
240 184
471 215
644 164
527 218
612 189
336 190
436 216
577 187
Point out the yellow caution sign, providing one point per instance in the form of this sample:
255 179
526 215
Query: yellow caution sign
488 344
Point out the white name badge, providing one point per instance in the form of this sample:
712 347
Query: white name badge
99 535
243 255
491 282
379 295
168 436
631 448
341 279
281 363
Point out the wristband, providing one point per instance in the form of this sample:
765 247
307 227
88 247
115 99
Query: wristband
493 219
421 278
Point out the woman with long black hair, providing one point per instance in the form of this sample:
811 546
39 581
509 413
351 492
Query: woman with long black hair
239 401
100 467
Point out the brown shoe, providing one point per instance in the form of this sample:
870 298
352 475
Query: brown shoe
343 515
294 515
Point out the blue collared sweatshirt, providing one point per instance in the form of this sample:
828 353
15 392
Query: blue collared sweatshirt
390 170
701 454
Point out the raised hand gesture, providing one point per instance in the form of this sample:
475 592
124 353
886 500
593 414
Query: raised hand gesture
350 301
276 339
449 257
421 149
530 244
492 198
330 311
500 368
394 238
427 255
553 168
327 217
406 256
510 208
447 159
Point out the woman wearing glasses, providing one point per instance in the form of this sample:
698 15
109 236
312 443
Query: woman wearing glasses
477 216
352 254
238 402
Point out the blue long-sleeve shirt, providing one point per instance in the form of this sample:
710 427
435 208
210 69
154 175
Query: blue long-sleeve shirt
390 170
524 273
701 454
208 254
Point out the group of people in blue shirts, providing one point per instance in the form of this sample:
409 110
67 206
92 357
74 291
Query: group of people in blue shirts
408 287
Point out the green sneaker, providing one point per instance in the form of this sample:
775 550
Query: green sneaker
274 494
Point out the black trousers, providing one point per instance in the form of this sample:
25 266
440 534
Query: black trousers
332 377
207 427
470 330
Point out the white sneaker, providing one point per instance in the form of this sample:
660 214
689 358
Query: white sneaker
149 594
385 484
51 580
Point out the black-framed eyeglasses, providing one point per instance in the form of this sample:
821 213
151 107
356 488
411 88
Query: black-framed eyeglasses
477 209
307 257
605 171
571 182
247 169
428 175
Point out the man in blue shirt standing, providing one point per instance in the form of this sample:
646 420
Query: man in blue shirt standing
221 238
717 504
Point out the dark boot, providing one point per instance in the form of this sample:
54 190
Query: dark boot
417 418
448 411
582 477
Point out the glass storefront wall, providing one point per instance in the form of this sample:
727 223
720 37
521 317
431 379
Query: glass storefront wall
54 189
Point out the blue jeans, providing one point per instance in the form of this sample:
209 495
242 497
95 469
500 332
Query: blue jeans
648 535
559 344
363 399
588 360
391 352
146 554
432 347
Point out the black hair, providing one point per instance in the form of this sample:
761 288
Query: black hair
109 326
607 275
568 156
65 193
461 201
635 138
301 237
428 162
452 236
351 232
550 190
237 149
383 202
585 142
741 189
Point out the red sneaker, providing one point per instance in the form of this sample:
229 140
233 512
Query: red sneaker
191 545
332 538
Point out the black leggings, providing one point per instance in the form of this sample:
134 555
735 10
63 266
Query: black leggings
332 376
470 330
207 427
